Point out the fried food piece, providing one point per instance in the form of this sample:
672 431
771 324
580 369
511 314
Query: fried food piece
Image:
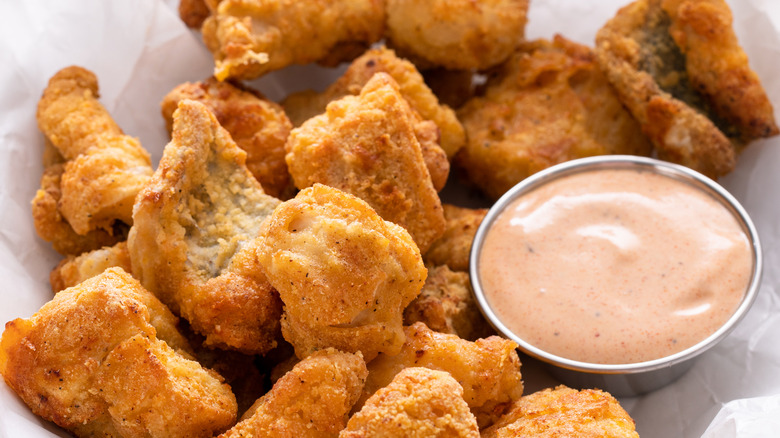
305 105
193 12
105 169
312 400
446 305
456 34
344 274
194 238
365 145
250 38
101 359
418 403
679 69
547 104
454 246
257 125
74 269
488 369
565 412
452 87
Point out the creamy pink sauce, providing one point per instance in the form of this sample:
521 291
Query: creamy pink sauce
615 266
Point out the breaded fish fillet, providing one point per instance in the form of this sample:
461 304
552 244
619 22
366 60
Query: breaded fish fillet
101 359
454 246
418 403
312 400
193 243
366 145
72 270
344 274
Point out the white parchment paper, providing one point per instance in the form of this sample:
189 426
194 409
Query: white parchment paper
140 50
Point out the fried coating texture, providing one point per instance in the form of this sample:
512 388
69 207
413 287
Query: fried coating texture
365 145
193 12
454 246
74 269
305 105
418 403
313 400
257 125
100 359
250 38
446 304
194 238
344 274
456 34
679 69
488 369
105 169
547 104
564 412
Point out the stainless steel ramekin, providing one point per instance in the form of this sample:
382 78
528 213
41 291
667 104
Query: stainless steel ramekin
623 379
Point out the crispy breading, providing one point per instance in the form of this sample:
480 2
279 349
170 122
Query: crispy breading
304 105
679 69
565 413
257 125
72 270
456 34
547 104
105 169
101 359
418 403
193 12
446 304
194 238
488 369
366 146
250 38
454 246
313 400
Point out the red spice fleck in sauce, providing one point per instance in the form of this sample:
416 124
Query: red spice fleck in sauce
615 266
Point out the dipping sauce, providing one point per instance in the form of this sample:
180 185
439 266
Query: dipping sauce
615 266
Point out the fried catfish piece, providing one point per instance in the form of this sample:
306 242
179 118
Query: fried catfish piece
74 269
257 125
101 359
677 66
312 400
194 238
250 38
564 412
488 369
547 104
366 146
418 403
307 104
456 34
453 247
105 168
344 274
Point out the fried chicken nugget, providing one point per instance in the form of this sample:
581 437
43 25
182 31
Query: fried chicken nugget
257 125
344 274
488 369
250 38
454 246
562 413
72 270
313 400
679 69
456 34
101 359
194 237
366 146
418 403
547 104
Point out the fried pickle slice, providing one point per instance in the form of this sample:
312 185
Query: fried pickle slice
312 400
679 69
366 146
250 38
344 274
72 270
549 103
194 238
102 359
454 246
418 403
488 369
565 412
257 125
